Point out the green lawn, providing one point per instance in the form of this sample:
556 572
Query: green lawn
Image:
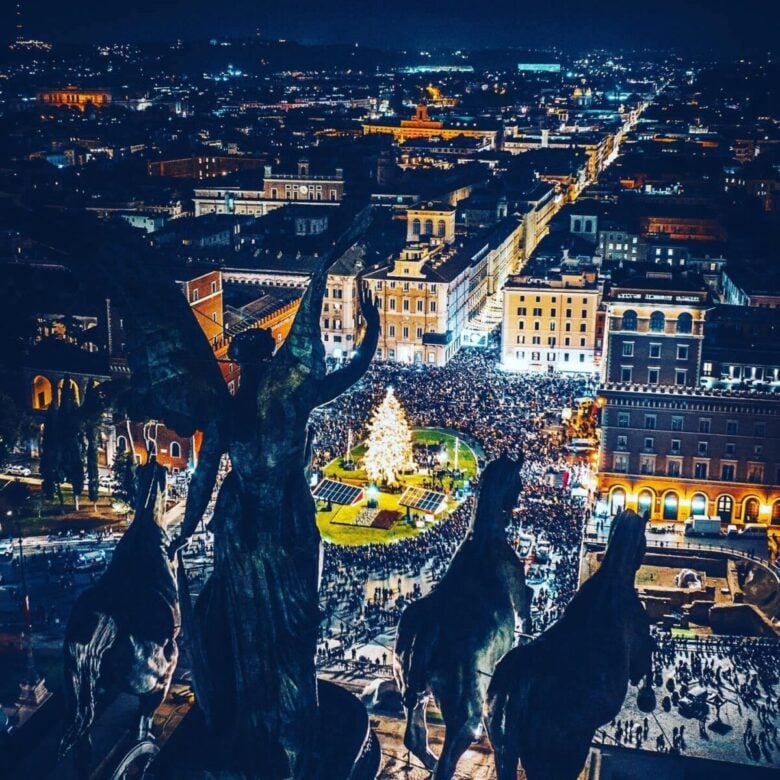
335 526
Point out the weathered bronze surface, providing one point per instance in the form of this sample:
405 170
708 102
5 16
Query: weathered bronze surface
547 698
122 631
449 642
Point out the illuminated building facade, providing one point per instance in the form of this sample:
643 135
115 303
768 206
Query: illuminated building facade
73 97
202 166
681 452
550 322
276 189
422 126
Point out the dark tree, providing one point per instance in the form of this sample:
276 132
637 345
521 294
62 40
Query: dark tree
71 440
91 415
10 425
123 472
51 452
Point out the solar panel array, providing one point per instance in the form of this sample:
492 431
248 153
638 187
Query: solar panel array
425 500
337 492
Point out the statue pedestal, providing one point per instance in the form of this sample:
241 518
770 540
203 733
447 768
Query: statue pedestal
347 748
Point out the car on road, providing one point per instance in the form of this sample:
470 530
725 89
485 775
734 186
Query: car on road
694 703
16 470
6 548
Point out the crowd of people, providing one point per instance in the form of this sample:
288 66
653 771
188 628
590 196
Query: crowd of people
498 413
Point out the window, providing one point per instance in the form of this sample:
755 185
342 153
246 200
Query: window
648 444
682 351
553 312
624 419
647 464
677 422
655 350
732 427
442 228
175 449
700 470
629 320
727 472
650 421
626 373
537 325
755 472
121 444
680 377
731 449
420 304
406 332
657 322
419 333
406 304
705 423
194 295
568 313
675 447
622 442
391 331
653 375
392 304
673 468
583 327
213 287
432 307
621 462
725 508
537 312
521 311
684 323
702 447
416 227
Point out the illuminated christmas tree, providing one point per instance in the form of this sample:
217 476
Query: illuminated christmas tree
389 443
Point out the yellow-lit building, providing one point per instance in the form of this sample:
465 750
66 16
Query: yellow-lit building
73 97
422 126
550 322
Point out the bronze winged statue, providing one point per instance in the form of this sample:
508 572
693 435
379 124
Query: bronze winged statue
253 641
548 698
449 642
122 631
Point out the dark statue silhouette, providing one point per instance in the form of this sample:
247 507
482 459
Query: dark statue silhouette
253 638
449 642
122 631
548 698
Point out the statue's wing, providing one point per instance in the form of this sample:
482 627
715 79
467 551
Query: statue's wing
302 356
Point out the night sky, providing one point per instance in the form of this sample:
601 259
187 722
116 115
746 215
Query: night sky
693 24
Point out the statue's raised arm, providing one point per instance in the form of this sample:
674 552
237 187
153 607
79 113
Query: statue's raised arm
338 382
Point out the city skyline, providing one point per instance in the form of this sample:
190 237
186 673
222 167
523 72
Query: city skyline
718 26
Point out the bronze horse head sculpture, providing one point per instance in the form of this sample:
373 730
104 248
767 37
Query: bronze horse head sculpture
449 642
548 698
122 631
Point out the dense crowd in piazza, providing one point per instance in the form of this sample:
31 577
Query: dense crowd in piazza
498 412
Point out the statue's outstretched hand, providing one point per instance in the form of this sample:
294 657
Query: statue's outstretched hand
368 306
178 543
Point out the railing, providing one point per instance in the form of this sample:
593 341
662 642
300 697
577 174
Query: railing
591 536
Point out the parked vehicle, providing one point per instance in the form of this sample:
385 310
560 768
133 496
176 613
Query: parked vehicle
753 531
6 548
18 471
89 561
702 526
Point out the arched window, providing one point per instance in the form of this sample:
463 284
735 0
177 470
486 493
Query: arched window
657 322
776 513
121 444
617 500
588 225
577 226
699 505
725 508
41 393
175 449
74 386
645 501
415 227
750 510
442 228
629 320
671 506
428 227
684 323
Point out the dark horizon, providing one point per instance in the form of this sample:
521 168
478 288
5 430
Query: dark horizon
717 26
